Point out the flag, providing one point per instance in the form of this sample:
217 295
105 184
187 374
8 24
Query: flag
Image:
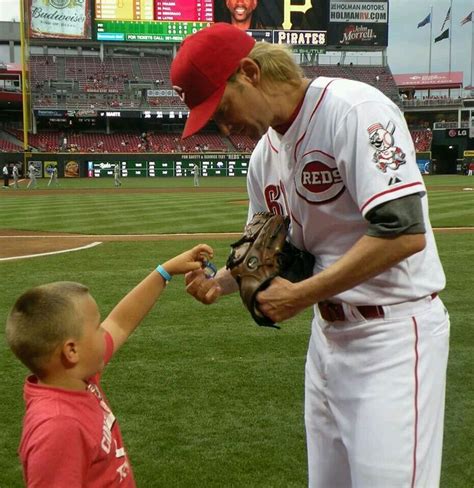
448 16
467 19
425 21
443 35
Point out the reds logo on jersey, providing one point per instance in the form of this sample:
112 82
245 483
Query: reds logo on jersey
318 180
387 154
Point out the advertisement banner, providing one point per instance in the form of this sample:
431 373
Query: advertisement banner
68 19
424 81
368 12
49 167
38 165
454 133
358 35
359 24
71 169
424 165
96 89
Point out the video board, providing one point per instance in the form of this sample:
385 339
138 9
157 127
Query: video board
305 23
60 19
277 21
151 20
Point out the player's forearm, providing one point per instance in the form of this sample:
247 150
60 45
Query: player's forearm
369 257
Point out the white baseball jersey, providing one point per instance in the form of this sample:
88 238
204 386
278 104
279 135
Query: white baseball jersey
348 150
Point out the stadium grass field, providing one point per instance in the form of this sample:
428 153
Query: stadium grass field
205 398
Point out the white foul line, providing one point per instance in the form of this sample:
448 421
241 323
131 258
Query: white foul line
52 252
131 236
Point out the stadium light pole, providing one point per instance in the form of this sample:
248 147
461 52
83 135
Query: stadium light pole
25 85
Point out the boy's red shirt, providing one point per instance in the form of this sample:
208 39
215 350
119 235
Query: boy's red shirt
71 438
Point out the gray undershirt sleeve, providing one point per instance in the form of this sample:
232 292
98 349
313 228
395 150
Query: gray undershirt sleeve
401 216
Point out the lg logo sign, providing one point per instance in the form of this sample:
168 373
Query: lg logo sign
458 132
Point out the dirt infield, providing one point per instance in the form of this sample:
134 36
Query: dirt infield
15 243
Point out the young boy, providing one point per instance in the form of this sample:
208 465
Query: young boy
70 435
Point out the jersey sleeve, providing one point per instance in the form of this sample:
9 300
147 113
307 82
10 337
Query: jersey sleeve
376 155
254 186
58 455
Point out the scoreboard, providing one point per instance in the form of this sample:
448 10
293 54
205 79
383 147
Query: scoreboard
163 165
151 20
146 31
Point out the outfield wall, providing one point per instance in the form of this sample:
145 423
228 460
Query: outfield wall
92 165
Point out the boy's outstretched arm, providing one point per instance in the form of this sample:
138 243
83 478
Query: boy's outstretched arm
133 308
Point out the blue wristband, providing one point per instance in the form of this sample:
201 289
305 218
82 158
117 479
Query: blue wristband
164 273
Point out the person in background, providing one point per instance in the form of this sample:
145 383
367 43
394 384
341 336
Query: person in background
196 174
32 176
470 171
16 176
70 434
335 157
53 176
243 14
6 176
117 181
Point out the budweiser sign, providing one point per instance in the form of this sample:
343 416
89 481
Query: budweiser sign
60 18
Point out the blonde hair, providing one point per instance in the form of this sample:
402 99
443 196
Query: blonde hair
41 319
276 63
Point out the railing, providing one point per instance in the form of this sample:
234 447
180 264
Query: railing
451 125
432 102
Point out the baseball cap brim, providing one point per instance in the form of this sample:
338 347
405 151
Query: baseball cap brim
200 115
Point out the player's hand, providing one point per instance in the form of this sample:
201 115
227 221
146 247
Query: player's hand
281 300
201 287
190 260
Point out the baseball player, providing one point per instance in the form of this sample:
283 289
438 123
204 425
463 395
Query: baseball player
337 158
117 181
6 177
53 176
32 176
196 175
16 176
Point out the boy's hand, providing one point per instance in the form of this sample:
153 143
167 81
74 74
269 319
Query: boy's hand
190 260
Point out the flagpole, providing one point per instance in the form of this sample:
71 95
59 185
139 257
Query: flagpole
450 33
472 47
431 38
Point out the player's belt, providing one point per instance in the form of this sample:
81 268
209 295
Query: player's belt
334 312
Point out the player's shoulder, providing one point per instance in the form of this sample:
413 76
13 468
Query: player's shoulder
347 92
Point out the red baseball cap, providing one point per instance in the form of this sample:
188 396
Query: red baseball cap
202 67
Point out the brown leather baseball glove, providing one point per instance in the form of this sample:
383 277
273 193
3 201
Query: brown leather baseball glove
263 253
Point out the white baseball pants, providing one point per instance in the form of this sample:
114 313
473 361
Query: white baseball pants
374 398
